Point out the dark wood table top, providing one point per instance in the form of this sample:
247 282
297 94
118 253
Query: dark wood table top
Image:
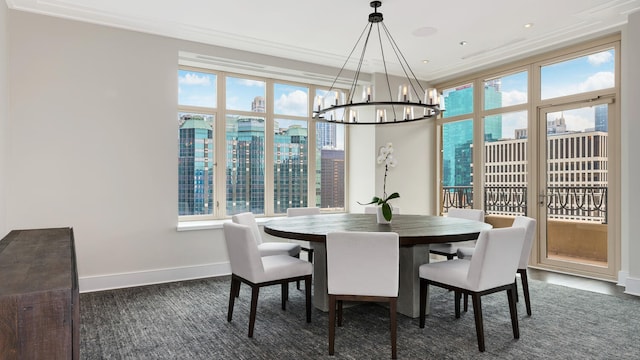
412 229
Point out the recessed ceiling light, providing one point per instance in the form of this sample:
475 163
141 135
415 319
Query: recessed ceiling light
528 25
425 61
425 31
463 43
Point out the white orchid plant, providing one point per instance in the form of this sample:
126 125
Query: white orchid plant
385 156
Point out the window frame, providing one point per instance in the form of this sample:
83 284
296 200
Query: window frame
219 138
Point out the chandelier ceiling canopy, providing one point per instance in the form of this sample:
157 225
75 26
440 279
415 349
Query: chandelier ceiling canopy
412 102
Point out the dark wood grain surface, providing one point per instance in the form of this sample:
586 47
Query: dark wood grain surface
412 229
39 308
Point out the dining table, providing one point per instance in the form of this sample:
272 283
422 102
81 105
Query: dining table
415 233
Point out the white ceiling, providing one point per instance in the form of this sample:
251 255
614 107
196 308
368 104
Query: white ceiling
324 32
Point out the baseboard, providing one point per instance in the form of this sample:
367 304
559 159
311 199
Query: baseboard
622 278
632 286
141 278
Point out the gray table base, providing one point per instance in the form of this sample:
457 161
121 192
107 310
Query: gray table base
411 257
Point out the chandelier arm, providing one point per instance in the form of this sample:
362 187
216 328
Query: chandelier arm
347 60
354 84
403 62
386 73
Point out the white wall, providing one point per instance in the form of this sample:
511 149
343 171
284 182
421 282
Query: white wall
630 274
414 146
3 112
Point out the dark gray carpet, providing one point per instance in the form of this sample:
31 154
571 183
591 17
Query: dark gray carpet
187 320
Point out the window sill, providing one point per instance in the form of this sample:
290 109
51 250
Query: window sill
213 224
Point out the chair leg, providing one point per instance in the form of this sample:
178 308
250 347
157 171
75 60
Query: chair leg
525 289
310 255
423 301
457 296
298 281
513 311
340 303
254 306
332 323
307 291
466 302
393 323
233 294
285 294
477 311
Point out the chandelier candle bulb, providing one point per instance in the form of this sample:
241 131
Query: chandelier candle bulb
408 112
403 93
430 96
382 115
353 116
366 93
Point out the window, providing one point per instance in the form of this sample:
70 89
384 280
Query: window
197 92
275 156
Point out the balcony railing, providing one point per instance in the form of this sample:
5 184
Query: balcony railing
457 197
583 203
505 200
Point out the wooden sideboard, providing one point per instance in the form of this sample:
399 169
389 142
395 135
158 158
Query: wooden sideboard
39 297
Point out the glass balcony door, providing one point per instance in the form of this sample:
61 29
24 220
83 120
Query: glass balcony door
574 189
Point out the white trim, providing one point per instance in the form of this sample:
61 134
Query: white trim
632 286
200 225
622 278
141 278
214 224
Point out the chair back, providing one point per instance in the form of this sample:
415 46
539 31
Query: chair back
496 258
529 225
248 219
469 214
363 263
374 210
243 251
301 211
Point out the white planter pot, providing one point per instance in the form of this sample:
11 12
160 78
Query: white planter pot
381 219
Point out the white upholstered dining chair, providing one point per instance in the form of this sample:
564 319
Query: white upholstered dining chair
247 266
266 248
353 277
490 270
529 226
450 250
302 211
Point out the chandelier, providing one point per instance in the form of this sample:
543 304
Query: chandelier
365 110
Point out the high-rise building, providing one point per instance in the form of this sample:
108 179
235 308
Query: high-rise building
245 165
575 161
326 136
332 179
195 165
457 149
291 168
258 104
602 118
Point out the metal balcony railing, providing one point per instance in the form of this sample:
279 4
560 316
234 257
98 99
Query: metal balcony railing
583 203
